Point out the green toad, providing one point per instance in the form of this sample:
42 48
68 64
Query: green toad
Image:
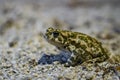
81 46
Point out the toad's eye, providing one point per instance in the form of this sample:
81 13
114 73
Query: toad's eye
55 34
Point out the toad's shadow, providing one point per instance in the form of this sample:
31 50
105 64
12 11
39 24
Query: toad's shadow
49 59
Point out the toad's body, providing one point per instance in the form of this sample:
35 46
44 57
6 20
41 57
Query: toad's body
83 47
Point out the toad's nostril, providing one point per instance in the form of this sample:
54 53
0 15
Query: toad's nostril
50 29
44 36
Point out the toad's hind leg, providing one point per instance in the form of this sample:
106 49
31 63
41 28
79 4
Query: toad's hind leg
101 59
98 59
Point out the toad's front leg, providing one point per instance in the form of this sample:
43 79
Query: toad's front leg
72 61
75 58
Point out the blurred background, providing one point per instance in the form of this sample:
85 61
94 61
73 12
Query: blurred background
96 15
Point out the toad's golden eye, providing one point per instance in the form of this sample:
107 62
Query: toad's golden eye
55 34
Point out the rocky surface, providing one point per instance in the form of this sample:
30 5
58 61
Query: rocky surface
26 55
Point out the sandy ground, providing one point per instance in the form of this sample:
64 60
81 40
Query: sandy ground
26 55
